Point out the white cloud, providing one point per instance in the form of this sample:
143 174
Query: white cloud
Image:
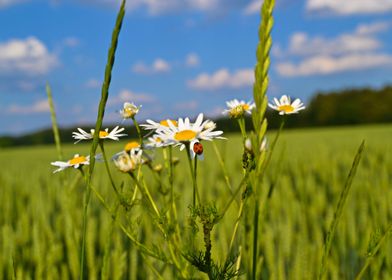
323 65
253 7
303 45
189 105
223 79
93 83
71 42
127 95
41 106
358 50
28 57
349 7
372 28
158 66
160 7
6 3
192 60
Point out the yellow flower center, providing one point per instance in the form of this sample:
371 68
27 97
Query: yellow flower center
131 145
158 140
286 108
103 134
245 107
77 160
238 111
185 135
166 123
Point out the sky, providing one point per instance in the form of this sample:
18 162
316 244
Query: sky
177 58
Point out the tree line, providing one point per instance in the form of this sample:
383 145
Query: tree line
345 107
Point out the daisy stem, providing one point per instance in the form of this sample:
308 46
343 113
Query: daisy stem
147 192
241 123
171 182
141 246
87 196
262 165
223 167
139 133
193 174
102 146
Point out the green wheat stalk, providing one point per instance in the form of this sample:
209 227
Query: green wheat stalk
260 98
98 125
261 69
373 252
339 210
55 128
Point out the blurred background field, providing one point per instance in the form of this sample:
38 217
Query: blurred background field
40 218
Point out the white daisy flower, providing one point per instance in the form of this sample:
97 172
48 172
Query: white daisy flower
237 109
163 124
285 107
128 162
156 142
209 125
103 134
76 162
188 134
129 110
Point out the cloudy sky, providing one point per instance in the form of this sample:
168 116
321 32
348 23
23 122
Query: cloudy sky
180 57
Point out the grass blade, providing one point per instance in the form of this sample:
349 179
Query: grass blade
98 124
339 210
55 128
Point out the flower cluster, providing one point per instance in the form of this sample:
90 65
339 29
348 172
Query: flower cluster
169 132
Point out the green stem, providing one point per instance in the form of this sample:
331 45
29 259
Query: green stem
373 252
141 246
339 210
263 164
55 128
222 165
193 174
84 227
102 105
241 123
147 192
102 146
139 133
243 181
255 239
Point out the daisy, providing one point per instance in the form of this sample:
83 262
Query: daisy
163 124
189 134
76 162
237 109
128 162
156 142
103 134
130 110
285 107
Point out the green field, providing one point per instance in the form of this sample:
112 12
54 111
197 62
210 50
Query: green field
41 212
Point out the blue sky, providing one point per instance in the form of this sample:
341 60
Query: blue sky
180 57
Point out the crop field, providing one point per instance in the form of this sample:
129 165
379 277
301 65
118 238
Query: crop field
41 212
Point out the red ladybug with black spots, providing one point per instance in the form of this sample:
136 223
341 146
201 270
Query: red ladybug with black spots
198 148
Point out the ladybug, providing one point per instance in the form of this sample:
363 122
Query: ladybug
198 148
